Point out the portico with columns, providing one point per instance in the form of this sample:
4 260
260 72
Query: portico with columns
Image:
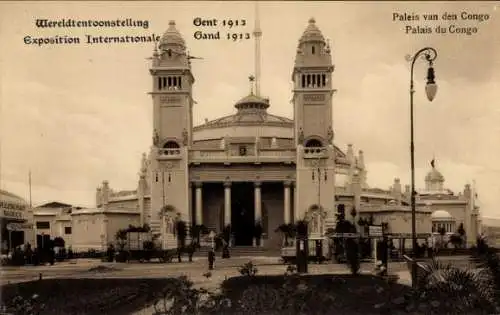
268 202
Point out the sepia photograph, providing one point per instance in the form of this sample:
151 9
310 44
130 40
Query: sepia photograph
249 157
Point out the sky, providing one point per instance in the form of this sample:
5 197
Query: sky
76 115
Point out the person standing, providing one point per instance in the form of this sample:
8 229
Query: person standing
211 259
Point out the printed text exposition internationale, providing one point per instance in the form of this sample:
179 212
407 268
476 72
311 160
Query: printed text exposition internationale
90 39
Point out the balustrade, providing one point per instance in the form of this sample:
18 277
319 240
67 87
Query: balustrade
223 155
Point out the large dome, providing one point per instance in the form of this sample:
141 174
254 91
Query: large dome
441 215
251 119
434 176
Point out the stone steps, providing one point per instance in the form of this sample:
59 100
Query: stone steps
244 251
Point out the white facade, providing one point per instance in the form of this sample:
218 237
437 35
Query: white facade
256 166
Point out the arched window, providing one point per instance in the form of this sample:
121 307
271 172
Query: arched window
313 143
171 145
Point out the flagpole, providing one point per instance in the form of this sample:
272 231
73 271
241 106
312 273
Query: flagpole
29 183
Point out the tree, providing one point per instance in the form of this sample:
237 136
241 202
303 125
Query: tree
456 240
442 232
288 231
196 231
59 242
181 233
347 246
461 230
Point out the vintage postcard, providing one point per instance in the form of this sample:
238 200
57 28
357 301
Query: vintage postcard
274 153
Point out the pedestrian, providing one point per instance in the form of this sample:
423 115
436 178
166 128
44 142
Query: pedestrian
225 249
211 259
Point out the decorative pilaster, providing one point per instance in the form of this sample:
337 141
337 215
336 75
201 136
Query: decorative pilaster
199 204
286 214
258 208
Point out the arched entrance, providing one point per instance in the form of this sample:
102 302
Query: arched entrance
242 213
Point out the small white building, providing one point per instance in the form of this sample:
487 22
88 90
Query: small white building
81 228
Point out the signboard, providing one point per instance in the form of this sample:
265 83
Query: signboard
13 214
10 205
314 98
345 235
408 235
375 230
170 100
19 226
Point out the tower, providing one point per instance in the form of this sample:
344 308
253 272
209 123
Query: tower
312 101
172 127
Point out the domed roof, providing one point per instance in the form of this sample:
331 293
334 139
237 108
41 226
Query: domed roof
252 102
434 176
441 215
172 36
312 33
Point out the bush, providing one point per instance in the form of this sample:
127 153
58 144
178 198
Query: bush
445 289
352 253
310 294
248 269
87 296
122 256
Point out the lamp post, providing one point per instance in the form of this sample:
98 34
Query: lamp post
430 55
317 173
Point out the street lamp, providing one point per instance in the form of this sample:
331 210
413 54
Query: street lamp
429 55
317 173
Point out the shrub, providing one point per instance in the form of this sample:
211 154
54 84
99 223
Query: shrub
20 305
352 253
310 294
248 269
450 290
121 256
179 297
291 269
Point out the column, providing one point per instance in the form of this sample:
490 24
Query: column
190 220
286 214
190 203
295 204
227 204
258 208
199 204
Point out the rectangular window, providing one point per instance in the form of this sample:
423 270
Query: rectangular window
243 150
67 230
41 225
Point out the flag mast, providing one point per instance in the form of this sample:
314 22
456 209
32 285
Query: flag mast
29 183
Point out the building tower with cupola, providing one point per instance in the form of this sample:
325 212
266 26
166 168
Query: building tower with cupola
252 173
172 127
313 128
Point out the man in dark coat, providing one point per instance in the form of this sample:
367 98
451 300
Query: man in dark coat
211 259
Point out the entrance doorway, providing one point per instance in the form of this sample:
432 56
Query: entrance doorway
242 213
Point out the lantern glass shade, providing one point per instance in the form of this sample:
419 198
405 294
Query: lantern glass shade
431 90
